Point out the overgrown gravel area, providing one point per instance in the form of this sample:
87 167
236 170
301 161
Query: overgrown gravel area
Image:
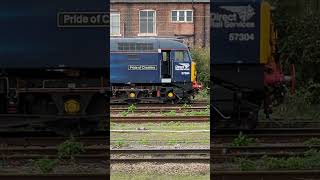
30 167
194 169
160 140
143 139
158 177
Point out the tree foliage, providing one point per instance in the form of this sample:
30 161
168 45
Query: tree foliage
202 57
298 26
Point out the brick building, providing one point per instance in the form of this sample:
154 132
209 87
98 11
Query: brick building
185 19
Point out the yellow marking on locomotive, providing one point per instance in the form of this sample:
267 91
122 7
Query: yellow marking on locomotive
193 72
265 33
170 94
132 95
72 106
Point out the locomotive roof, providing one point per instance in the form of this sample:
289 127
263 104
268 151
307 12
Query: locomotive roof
160 1
144 44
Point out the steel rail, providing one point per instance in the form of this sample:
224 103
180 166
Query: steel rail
158 109
265 175
262 131
194 104
275 148
160 151
78 176
155 119
177 153
161 160
268 138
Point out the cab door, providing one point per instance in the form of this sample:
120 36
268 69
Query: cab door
181 62
166 66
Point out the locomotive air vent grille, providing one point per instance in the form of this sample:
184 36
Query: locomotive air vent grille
135 47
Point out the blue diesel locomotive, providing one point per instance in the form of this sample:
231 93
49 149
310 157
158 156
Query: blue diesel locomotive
151 70
245 63
52 78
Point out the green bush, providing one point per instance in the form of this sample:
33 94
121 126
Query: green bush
246 164
299 41
202 57
170 113
132 108
242 140
312 142
203 95
69 149
46 165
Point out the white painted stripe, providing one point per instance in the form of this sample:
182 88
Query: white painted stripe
167 80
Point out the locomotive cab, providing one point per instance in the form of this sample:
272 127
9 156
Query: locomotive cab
245 64
176 65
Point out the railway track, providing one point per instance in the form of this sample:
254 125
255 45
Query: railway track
53 176
284 125
266 175
279 143
193 104
268 135
160 155
265 131
155 109
223 154
156 119
43 139
94 154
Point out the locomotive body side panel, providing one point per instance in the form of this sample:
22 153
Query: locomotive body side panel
30 36
236 35
137 68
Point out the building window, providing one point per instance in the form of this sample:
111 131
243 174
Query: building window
147 22
115 24
182 16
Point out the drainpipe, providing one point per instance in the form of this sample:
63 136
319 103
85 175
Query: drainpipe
194 23
204 25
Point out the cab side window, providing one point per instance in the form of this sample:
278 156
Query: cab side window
165 56
181 56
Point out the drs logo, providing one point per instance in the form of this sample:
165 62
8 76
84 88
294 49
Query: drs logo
182 67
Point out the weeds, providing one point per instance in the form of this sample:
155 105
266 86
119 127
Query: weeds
119 143
202 95
144 141
297 107
170 113
198 113
312 142
172 141
124 114
242 140
246 164
310 160
46 165
132 108
69 149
